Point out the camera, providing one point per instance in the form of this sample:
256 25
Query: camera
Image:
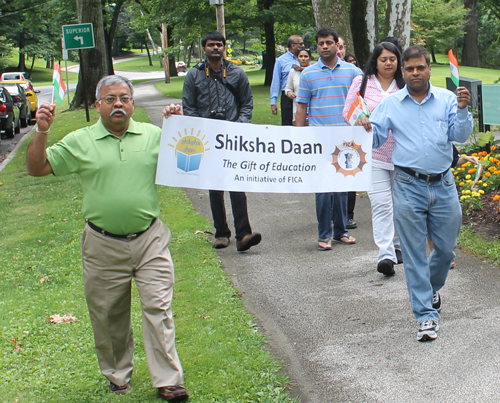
219 114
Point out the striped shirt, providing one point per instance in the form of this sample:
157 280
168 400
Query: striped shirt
325 90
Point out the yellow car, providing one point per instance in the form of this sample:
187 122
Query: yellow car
30 93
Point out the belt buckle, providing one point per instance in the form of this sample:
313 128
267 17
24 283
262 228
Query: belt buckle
129 237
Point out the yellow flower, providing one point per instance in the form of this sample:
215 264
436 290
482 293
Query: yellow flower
466 192
481 191
463 198
455 173
485 184
467 177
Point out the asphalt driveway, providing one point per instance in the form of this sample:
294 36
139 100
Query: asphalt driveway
344 332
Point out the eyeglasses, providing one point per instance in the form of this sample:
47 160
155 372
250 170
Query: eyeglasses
111 100
299 43
341 47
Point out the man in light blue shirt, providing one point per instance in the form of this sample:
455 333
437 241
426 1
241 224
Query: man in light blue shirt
323 89
282 67
424 121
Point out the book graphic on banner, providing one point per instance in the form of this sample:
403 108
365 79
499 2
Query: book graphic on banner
189 150
188 163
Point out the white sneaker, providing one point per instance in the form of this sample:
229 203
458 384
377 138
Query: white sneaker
428 330
437 303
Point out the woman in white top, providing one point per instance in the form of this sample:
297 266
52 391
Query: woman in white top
384 77
292 85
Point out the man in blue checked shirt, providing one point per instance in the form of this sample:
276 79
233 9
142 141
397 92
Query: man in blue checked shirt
282 67
323 88
424 121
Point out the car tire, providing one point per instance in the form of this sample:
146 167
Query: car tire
33 117
18 128
9 133
24 121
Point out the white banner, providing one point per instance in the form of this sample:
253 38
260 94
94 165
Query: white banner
220 155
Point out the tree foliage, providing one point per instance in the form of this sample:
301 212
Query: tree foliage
439 23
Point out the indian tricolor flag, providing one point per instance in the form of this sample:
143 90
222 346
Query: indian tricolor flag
455 76
59 88
357 110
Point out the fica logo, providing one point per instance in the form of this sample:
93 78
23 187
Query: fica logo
348 158
189 150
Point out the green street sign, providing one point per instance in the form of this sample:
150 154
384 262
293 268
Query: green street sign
78 36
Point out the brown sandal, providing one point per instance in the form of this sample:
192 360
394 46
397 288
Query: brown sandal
345 239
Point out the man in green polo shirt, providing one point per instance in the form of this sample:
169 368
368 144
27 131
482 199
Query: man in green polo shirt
123 239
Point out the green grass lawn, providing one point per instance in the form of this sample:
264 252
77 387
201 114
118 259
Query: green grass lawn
219 343
41 74
139 64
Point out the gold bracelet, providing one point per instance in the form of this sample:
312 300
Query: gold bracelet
39 131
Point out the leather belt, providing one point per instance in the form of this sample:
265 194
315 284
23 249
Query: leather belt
128 237
427 178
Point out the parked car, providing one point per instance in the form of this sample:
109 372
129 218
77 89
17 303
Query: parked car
30 93
181 67
9 114
13 75
21 99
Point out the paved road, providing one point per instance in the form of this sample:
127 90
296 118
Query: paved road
344 332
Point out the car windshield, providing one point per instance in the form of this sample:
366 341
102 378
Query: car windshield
12 77
11 88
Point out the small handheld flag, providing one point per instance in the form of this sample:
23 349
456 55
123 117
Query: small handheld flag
479 172
59 89
357 110
455 76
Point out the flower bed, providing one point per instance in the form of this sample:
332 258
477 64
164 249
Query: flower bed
477 187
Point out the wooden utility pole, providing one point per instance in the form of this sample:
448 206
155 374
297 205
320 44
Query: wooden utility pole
219 9
164 45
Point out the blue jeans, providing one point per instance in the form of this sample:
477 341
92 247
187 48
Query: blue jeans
421 209
331 207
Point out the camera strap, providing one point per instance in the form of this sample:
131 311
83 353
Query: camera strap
229 86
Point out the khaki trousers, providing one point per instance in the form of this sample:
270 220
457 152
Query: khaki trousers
109 264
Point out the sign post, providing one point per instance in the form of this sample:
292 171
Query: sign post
65 58
79 36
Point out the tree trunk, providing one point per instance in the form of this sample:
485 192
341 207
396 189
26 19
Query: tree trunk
269 55
398 21
109 37
372 23
21 66
333 14
470 49
171 60
433 55
190 52
31 68
93 60
149 54
364 27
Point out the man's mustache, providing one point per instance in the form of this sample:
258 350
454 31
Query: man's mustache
118 110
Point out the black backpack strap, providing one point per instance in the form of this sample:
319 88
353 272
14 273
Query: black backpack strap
363 86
